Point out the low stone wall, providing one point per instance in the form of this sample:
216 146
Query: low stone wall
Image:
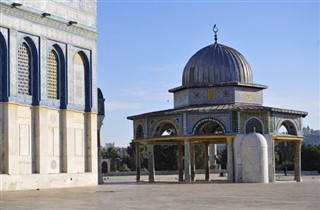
45 181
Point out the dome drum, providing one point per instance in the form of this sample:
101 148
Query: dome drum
218 95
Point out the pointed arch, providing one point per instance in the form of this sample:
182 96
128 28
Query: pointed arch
139 132
28 70
57 75
254 124
53 75
289 126
83 80
165 128
208 126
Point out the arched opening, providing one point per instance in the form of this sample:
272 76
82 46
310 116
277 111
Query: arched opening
139 132
208 126
165 128
285 149
287 127
254 125
165 156
28 74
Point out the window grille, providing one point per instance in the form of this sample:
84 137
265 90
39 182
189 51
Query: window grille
79 69
52 75
24 69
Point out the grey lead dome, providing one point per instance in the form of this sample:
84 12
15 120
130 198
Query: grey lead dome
214 65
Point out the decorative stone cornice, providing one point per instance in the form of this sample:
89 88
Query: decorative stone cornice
52 21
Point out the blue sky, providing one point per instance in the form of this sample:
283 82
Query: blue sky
143 47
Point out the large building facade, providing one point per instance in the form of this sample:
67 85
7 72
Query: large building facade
48 92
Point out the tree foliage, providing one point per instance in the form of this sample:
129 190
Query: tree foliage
310 158
284 155
130 159
112 154
165 157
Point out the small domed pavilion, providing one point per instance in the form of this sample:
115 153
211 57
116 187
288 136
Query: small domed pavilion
218 103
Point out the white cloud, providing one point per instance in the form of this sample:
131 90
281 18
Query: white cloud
115 106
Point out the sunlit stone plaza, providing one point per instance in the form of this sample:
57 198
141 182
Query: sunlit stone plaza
122 192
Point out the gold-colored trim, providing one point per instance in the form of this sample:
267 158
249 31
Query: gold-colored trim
283 138
175 140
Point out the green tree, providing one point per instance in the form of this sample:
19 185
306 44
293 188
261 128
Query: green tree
199 156
285 154
310 158
130 159
111 153
165 157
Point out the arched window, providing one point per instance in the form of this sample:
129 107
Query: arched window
254 125
79 69
52 75
24 69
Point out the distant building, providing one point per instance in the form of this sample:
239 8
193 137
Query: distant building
48 92
109 145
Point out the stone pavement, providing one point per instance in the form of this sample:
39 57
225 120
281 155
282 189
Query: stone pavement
124 193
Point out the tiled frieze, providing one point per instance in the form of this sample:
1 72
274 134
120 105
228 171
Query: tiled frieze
217 95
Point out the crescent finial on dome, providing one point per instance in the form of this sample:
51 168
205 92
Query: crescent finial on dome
215 30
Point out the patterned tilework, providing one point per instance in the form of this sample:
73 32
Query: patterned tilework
217 95
248 95
262 116
84 12
234 116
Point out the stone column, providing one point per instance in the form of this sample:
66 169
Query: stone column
297 161
230 160
99 125
193 163
138 161
207 162
272 178
180 162
213 153
187 162
151 163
